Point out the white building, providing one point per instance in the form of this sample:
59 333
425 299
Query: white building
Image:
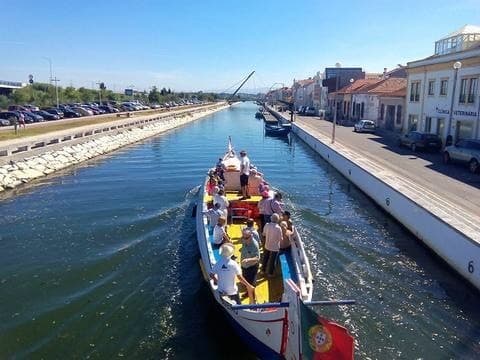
310 92
443 89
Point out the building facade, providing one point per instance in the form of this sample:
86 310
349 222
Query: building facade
443 89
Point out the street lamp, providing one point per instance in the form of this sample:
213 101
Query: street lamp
456 66
51 72
334 123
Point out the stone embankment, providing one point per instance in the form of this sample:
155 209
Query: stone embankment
30 168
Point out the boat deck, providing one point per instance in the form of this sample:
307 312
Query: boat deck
267 289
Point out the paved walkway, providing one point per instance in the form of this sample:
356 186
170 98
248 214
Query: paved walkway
449 191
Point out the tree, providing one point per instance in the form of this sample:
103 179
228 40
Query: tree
154 95
169 91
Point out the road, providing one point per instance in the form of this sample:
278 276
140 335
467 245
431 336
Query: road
451 182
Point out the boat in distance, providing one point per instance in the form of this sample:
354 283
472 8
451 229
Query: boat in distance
269 321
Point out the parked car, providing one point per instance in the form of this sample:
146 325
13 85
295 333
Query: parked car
8 117
418 140
464 151
310 111
31 108
31 117
70 113
364 126
54 111
17 108
82 111
108 109
46 115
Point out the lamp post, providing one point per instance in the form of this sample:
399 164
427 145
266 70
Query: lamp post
334 123
56 89
51 72
350 104
456 66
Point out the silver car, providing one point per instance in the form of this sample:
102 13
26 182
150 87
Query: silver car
364 126
464 151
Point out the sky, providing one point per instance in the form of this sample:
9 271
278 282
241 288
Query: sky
211 45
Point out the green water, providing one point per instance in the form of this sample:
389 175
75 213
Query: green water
101 261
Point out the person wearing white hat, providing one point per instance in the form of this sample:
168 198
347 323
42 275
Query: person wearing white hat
226 271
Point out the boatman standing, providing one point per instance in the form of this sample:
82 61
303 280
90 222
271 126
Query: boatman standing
244 174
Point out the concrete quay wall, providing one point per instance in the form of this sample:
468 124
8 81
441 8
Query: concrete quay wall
455 240
95 144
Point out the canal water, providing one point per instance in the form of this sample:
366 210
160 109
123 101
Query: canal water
101 261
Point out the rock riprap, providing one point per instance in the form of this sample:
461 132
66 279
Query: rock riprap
19 172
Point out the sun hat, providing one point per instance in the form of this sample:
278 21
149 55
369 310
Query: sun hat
226 250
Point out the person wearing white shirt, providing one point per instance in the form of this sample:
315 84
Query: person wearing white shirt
220 235
221 199
244 174
226 271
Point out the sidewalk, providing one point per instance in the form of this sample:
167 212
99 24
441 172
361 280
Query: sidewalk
448 191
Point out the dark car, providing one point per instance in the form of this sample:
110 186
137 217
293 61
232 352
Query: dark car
46 115
55 112
418 140
17 108
108 109
70 113
8 117
31 117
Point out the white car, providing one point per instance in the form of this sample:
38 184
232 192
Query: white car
364 126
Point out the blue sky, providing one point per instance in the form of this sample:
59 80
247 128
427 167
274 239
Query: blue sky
210 45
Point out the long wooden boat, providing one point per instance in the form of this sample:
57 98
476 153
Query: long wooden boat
265 326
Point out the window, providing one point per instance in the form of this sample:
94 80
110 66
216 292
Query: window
428 124
398 120
440 126
472 90
362 111
382 111
463 91
412 122
431 87
443 87
415 91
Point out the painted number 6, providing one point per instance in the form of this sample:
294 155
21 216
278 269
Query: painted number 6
471 269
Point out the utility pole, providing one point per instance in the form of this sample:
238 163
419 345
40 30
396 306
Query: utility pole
56 89
334 124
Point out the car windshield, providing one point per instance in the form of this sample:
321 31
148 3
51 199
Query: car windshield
431 136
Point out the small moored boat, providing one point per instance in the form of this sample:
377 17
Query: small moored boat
271 324
277 130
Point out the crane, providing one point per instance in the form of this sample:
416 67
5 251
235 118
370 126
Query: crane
230 98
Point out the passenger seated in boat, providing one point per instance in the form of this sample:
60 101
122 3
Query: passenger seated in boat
211 184
213 214
226 272
220 198
251 227
220 235
273 236
285 244
276 204
286 217
249 256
